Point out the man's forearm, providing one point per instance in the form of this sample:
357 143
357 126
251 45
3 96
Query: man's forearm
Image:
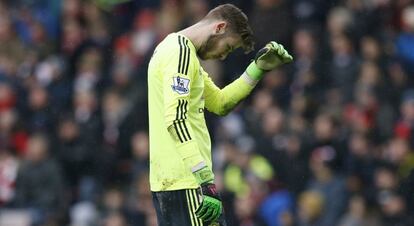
231 95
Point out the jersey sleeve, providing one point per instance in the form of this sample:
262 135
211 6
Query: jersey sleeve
222 101
178 75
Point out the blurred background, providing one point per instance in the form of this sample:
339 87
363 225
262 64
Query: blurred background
325 141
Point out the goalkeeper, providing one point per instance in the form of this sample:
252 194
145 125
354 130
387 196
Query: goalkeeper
181 176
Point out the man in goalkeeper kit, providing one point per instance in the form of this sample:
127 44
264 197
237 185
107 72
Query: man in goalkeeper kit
181 176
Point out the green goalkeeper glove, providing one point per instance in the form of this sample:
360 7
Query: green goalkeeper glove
267 59
211 206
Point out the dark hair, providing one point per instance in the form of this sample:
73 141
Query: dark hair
237 22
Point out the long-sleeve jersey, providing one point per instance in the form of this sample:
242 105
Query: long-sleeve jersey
178 92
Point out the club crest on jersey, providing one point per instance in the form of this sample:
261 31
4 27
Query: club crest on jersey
180 85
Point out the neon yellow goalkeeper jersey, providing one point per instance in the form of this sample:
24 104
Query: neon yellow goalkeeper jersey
178 91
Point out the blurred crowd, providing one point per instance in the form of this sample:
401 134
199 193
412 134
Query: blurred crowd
325 141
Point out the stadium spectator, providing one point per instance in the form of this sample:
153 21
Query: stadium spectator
39 183
8 173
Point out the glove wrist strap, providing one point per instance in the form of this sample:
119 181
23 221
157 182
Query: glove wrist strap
204 176
254 72
210 190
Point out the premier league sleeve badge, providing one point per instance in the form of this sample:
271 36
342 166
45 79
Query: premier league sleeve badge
180 85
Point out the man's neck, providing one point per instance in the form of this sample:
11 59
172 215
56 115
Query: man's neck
196 33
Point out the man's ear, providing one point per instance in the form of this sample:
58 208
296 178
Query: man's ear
220 27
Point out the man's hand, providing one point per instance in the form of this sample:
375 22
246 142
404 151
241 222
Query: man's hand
272 56
268 58
211 206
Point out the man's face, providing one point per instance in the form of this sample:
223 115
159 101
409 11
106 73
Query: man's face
218 46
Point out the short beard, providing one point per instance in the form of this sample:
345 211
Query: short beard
207 46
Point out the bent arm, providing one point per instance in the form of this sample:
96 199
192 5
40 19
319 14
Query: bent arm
222 101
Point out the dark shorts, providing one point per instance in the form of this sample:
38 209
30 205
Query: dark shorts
177 208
